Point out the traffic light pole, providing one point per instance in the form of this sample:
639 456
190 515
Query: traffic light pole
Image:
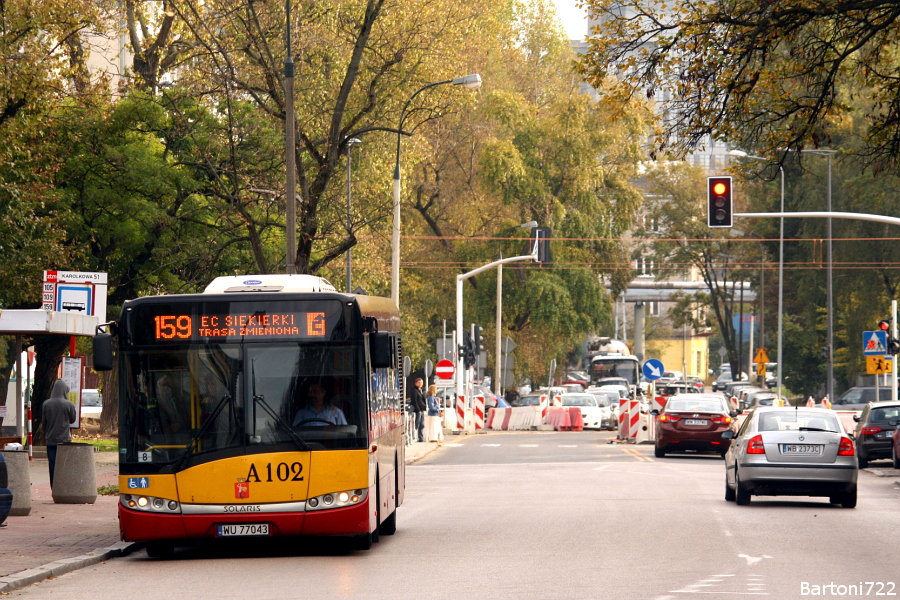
460 367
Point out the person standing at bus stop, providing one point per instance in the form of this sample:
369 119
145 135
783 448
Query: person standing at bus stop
57 416
418 405
433 430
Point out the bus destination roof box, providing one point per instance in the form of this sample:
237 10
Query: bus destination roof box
268 283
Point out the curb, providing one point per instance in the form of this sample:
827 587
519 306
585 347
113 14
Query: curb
66 565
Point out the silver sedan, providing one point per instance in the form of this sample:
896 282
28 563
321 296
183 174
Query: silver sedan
791 452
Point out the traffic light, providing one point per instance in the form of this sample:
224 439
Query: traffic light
893 345
825 353
468 350
476 341
541 235
720 205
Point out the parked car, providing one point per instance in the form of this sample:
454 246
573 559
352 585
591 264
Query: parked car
724 379
692 421
608 401
695 381
743 395
5 494
875 431
91 403
591 413
895 454
792 452
763 399
856 398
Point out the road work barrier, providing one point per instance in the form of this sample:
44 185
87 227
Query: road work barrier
479 412
623 419
544 407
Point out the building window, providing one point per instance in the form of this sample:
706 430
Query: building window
644 266
653 309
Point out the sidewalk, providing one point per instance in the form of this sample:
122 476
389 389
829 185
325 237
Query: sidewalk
60 538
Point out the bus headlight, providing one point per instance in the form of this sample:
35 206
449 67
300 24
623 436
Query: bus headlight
149 504
336 500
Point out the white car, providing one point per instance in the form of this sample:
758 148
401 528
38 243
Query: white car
591 413
91 403
608 401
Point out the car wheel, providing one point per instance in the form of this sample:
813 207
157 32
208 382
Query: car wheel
659 452
848 500
863 462
729 493
741 494
896 458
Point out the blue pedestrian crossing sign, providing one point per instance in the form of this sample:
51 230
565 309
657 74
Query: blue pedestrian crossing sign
653 369
874 343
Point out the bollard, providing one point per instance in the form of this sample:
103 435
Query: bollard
75 478
19 482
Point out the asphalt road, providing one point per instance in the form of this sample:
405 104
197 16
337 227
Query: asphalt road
549 515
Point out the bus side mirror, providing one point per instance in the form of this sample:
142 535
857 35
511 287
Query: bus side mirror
103 352
380 350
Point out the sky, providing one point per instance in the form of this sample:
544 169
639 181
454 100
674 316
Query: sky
573 18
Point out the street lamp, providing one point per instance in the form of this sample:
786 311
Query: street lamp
829 385
471 82
350 143
498 373
290 192
780 264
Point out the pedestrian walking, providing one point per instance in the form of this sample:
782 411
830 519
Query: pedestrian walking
434 432
57 416
418 405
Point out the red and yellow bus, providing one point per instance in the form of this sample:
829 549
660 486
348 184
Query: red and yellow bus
268 405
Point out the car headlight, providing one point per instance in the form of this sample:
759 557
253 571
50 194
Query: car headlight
336 500
149 503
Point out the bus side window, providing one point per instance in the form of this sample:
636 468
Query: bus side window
380 350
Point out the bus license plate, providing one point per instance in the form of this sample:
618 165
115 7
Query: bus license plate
801 449
243 529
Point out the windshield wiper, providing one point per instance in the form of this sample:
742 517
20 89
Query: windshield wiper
189 448
261 400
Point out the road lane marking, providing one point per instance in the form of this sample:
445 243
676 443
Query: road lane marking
568 445
490 445
528 445
635 454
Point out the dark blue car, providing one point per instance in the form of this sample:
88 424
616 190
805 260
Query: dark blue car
5 494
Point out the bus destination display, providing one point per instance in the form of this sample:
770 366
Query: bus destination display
246 326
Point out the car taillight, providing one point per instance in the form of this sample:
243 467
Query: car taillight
846 447
871 430
669 418
756 446
722 419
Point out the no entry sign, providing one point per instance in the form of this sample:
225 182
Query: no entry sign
444 369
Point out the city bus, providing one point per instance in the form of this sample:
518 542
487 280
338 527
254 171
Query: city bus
268 405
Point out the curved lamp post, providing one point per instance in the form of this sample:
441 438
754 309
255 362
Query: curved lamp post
471 82
743 154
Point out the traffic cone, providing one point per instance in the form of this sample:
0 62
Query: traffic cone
825 402
810 403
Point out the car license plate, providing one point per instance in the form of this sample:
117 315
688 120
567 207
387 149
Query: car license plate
696 422
801 449
243 529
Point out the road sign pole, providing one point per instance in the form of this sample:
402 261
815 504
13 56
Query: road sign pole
894 357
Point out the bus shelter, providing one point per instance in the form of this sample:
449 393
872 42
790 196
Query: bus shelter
28 323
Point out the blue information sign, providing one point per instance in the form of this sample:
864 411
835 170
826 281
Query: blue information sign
874 343
653 369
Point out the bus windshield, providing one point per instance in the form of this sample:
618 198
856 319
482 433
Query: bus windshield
626 368
198 402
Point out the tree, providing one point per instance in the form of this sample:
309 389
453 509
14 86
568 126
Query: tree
763 75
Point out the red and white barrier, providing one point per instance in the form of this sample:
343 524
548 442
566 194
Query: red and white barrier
544 407
623 419
479 412
557 401
461 413
634 419
30 436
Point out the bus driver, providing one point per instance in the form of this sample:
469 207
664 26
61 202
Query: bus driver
316 413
